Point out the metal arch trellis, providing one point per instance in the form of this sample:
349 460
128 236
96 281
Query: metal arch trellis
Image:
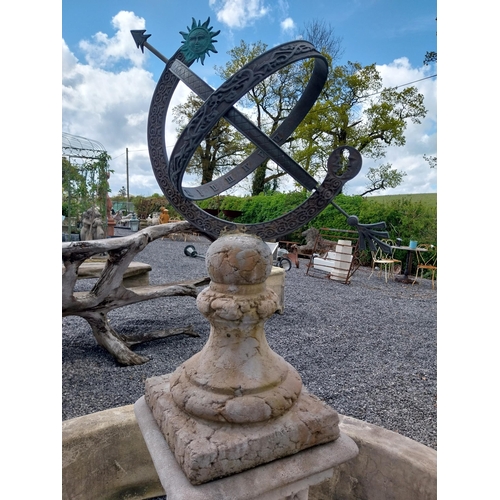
80 149
74 146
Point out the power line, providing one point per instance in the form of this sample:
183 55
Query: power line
399 86
130 151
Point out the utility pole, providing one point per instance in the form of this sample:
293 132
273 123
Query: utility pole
126 156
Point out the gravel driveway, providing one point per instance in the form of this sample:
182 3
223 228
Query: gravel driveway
368 349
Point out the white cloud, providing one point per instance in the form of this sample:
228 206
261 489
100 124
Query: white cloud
103 51
238 13
110 105
420 138
288 24
106 98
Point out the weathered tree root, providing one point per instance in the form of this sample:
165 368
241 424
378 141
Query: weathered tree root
109 293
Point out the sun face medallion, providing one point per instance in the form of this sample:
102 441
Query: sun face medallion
198 41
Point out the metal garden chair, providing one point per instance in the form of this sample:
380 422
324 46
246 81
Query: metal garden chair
427 261
385 262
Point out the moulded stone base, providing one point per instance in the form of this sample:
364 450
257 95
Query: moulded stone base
208 450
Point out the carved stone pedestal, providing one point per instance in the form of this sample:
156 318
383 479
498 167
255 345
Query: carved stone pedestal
236 404
206 450
283 479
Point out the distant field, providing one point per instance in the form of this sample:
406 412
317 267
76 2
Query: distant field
426 198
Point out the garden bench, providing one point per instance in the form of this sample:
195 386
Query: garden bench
136 274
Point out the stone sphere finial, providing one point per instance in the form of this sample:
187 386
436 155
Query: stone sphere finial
236 377
238 258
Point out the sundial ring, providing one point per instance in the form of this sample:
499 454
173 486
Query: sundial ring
220 104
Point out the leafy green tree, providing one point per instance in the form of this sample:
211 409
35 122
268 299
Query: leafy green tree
383 177
220 150
355 110
430 57
431 160
270 102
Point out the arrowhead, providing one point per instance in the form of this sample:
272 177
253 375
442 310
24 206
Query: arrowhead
140 38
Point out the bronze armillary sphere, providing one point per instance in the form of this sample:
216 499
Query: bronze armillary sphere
343 164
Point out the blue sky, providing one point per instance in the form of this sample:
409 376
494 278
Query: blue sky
108 82
468 190
373 31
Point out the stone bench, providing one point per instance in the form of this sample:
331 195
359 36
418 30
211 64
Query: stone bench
136 274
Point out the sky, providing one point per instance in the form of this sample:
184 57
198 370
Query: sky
107 82
112 84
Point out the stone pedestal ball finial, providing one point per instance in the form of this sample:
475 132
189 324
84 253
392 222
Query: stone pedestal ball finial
236 377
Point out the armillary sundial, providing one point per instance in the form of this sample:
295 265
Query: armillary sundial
343 164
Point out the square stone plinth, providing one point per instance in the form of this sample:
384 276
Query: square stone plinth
288 477
207 450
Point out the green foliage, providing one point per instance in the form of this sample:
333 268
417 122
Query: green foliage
146 205
264 207
221 149
430 57
85 185
406 217
383 177
353 109
426 198
332 218
232 203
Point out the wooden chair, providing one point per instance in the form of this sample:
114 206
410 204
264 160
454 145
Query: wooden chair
385 261
427 261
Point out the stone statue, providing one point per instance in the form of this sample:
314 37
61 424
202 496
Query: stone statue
92 228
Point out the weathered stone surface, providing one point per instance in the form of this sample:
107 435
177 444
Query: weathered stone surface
104 455
236 404
206 450
276 282
236 377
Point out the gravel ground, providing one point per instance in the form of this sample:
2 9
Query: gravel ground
368 349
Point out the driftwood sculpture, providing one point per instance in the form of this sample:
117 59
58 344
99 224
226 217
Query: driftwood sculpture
109 293
314 242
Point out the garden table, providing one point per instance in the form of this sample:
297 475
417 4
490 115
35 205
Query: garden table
404 275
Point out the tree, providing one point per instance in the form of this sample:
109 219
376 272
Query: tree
355 110
322 36
383 177
221 148
271 101
85 185
430 57
267 102
431 160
